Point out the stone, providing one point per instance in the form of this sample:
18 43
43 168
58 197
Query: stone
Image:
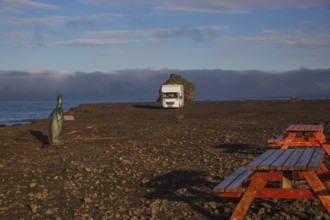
87 200
33 185
213 205
68 118
34 208
261 211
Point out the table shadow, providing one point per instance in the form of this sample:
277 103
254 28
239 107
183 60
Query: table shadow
183 186
240 148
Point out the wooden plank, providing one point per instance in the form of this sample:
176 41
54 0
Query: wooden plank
288 140
238 181
304 159
323 168
318 187
292 160
300 127
257 183
230 194
276 193
326 147
290 127
320 128
314 128
275 139
254 164
293 128
265 165
227 181
308 128
320 137
315 162
277 164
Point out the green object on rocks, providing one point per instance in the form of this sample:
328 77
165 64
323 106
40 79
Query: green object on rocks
188 87
55 120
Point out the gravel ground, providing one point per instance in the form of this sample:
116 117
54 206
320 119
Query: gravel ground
138 161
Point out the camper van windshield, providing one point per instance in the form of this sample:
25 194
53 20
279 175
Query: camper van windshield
170 95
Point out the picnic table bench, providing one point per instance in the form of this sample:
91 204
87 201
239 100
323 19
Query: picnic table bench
284 165
276 140
301 136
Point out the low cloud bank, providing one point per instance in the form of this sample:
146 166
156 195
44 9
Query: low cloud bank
143 84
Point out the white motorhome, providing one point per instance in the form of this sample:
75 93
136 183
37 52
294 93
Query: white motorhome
172 96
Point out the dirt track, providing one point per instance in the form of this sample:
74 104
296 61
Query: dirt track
138 161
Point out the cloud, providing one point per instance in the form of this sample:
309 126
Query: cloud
118 37
279 39
93 42
12 5
143 84
130 52
162 34
54 21
224 6
50 21
155 31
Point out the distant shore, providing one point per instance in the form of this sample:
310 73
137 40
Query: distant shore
24 112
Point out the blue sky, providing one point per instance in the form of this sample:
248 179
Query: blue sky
104 35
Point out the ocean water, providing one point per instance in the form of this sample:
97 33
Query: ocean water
24 112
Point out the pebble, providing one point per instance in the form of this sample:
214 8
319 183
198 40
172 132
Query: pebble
213 205
33 185
227 209
87 200
261 211
34 208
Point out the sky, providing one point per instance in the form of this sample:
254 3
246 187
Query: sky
127 48
105 35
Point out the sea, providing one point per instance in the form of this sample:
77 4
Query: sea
14 112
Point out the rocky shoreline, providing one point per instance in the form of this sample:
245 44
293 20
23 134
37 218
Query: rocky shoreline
138 161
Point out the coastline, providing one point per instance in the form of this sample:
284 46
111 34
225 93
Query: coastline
138 161
17 112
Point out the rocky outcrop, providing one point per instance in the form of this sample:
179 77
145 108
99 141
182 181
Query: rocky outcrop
189 88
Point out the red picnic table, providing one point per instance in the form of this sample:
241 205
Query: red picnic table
301 136
284 165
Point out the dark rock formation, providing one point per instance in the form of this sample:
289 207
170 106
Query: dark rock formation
189 88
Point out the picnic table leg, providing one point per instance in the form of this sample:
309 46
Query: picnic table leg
326 148
320 136
258 182
288 140
323 142
318 187
324 169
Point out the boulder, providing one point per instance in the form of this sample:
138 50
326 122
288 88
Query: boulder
189 88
